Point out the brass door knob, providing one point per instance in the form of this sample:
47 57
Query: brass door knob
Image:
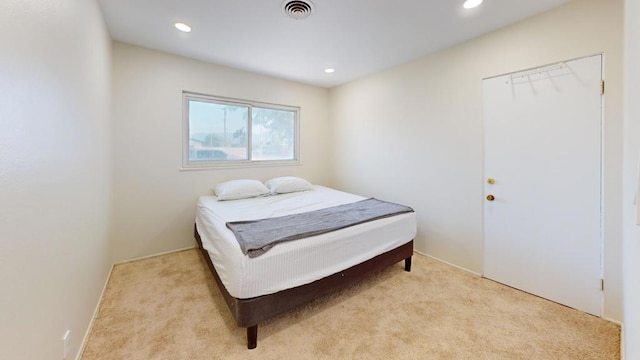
491 181
491 197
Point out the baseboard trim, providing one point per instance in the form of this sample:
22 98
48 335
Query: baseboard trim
94 316
617 322
622 341
154 255
447 263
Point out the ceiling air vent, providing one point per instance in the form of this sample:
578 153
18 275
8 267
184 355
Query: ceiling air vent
297 9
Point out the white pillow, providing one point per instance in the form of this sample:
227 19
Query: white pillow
288 184
240 189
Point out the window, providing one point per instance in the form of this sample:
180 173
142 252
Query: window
227 132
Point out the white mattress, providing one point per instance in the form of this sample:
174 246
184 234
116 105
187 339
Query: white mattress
298 262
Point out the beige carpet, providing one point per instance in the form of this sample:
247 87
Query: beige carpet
169 307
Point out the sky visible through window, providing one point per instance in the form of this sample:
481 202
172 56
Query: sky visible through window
206 118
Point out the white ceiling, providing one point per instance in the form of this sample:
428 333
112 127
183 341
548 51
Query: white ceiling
356 37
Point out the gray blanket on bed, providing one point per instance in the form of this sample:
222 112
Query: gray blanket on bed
258 236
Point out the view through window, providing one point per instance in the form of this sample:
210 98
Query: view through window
226 131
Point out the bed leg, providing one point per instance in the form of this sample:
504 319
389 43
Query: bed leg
252 337
407 264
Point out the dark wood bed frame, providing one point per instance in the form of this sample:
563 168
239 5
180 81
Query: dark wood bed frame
248 313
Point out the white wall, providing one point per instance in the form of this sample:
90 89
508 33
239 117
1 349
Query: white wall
154 200
631 249
412 134
55 171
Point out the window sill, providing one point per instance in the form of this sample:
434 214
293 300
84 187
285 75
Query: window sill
240 164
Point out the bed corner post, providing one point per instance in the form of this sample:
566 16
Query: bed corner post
252 337
407 264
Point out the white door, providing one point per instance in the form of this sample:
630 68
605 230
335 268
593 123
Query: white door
542 230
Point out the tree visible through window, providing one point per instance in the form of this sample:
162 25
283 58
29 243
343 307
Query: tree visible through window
273 134
223 131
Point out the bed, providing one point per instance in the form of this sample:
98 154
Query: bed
292 273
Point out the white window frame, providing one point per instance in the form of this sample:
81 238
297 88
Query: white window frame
197 165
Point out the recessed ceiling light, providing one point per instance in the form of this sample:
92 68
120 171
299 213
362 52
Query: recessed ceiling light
183 27
329 70
470 4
